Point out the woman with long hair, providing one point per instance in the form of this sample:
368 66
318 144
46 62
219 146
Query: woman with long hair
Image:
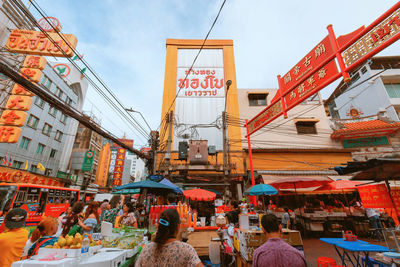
73 218
91 218
128 218
43 235
166 250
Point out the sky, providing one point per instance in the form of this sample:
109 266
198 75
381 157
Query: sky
124 41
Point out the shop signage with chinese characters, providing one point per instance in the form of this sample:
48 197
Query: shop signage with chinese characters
365 142
12 176
317 56
200 82
375 196
265 116
312 84
48 24
13 118
119 167
36 43
395 194
377 36
35 62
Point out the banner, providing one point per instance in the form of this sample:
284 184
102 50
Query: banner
375 196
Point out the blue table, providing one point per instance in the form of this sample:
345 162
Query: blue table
353 248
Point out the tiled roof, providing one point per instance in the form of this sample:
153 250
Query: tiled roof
366 127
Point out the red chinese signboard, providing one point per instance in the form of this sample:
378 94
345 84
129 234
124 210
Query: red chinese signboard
312 84
10 176
375 196
317 56
273 111
350 51
386 32
395 194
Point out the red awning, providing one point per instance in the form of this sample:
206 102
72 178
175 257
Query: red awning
300 182
339 185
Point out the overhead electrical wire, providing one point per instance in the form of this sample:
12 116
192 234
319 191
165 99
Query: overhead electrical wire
116 106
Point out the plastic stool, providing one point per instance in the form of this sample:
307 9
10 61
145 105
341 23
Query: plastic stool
326 262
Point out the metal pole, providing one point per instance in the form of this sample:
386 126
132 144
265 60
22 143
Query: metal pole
252 198
169 141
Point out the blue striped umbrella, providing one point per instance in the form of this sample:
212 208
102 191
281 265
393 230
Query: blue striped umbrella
261 189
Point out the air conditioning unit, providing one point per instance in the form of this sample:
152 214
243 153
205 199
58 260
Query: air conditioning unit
198 152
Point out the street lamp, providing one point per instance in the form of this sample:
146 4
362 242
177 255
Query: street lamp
135 111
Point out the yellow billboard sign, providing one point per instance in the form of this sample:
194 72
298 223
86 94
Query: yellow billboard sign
36 43
9 134
13 118
19 102
35 62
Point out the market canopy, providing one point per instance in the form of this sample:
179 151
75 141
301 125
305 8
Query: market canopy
379 169
300 182
144 184
261 189
199 194
214 191
176 188
126 192
339 185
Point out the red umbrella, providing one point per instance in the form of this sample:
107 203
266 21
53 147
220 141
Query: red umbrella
300 182
199 194
339 185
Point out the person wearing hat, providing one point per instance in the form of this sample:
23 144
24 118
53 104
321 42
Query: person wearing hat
13 239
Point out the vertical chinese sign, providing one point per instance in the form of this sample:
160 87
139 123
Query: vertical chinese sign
119 166
14 116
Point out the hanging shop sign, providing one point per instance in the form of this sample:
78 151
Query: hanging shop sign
375 196
87 164
264 117
34 62
349 51
20 101
20 176
395 194
13 118
119 167
200 82
48 24
365 142
62 69
36 43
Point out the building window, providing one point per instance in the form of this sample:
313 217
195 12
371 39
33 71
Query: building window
257 99
32 121
53 111
306 127
63 118
53 153
68 101
24 142
59 136
17 164
393 90
47 129
48 172
40 148
39 102
46 81
58 92
33 168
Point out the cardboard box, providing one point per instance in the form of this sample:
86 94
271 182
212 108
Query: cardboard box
252 238
292 237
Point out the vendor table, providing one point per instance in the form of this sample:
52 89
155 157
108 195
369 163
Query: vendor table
200 241
350 250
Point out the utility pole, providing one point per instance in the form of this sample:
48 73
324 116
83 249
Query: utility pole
224 148
169 141
154 147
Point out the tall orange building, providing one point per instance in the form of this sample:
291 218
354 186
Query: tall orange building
194 100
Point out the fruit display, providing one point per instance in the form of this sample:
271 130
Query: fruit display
72 242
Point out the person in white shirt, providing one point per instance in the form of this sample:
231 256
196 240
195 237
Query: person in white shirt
374 221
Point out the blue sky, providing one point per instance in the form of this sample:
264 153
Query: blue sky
124 41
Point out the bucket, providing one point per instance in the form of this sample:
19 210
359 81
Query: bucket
203 221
